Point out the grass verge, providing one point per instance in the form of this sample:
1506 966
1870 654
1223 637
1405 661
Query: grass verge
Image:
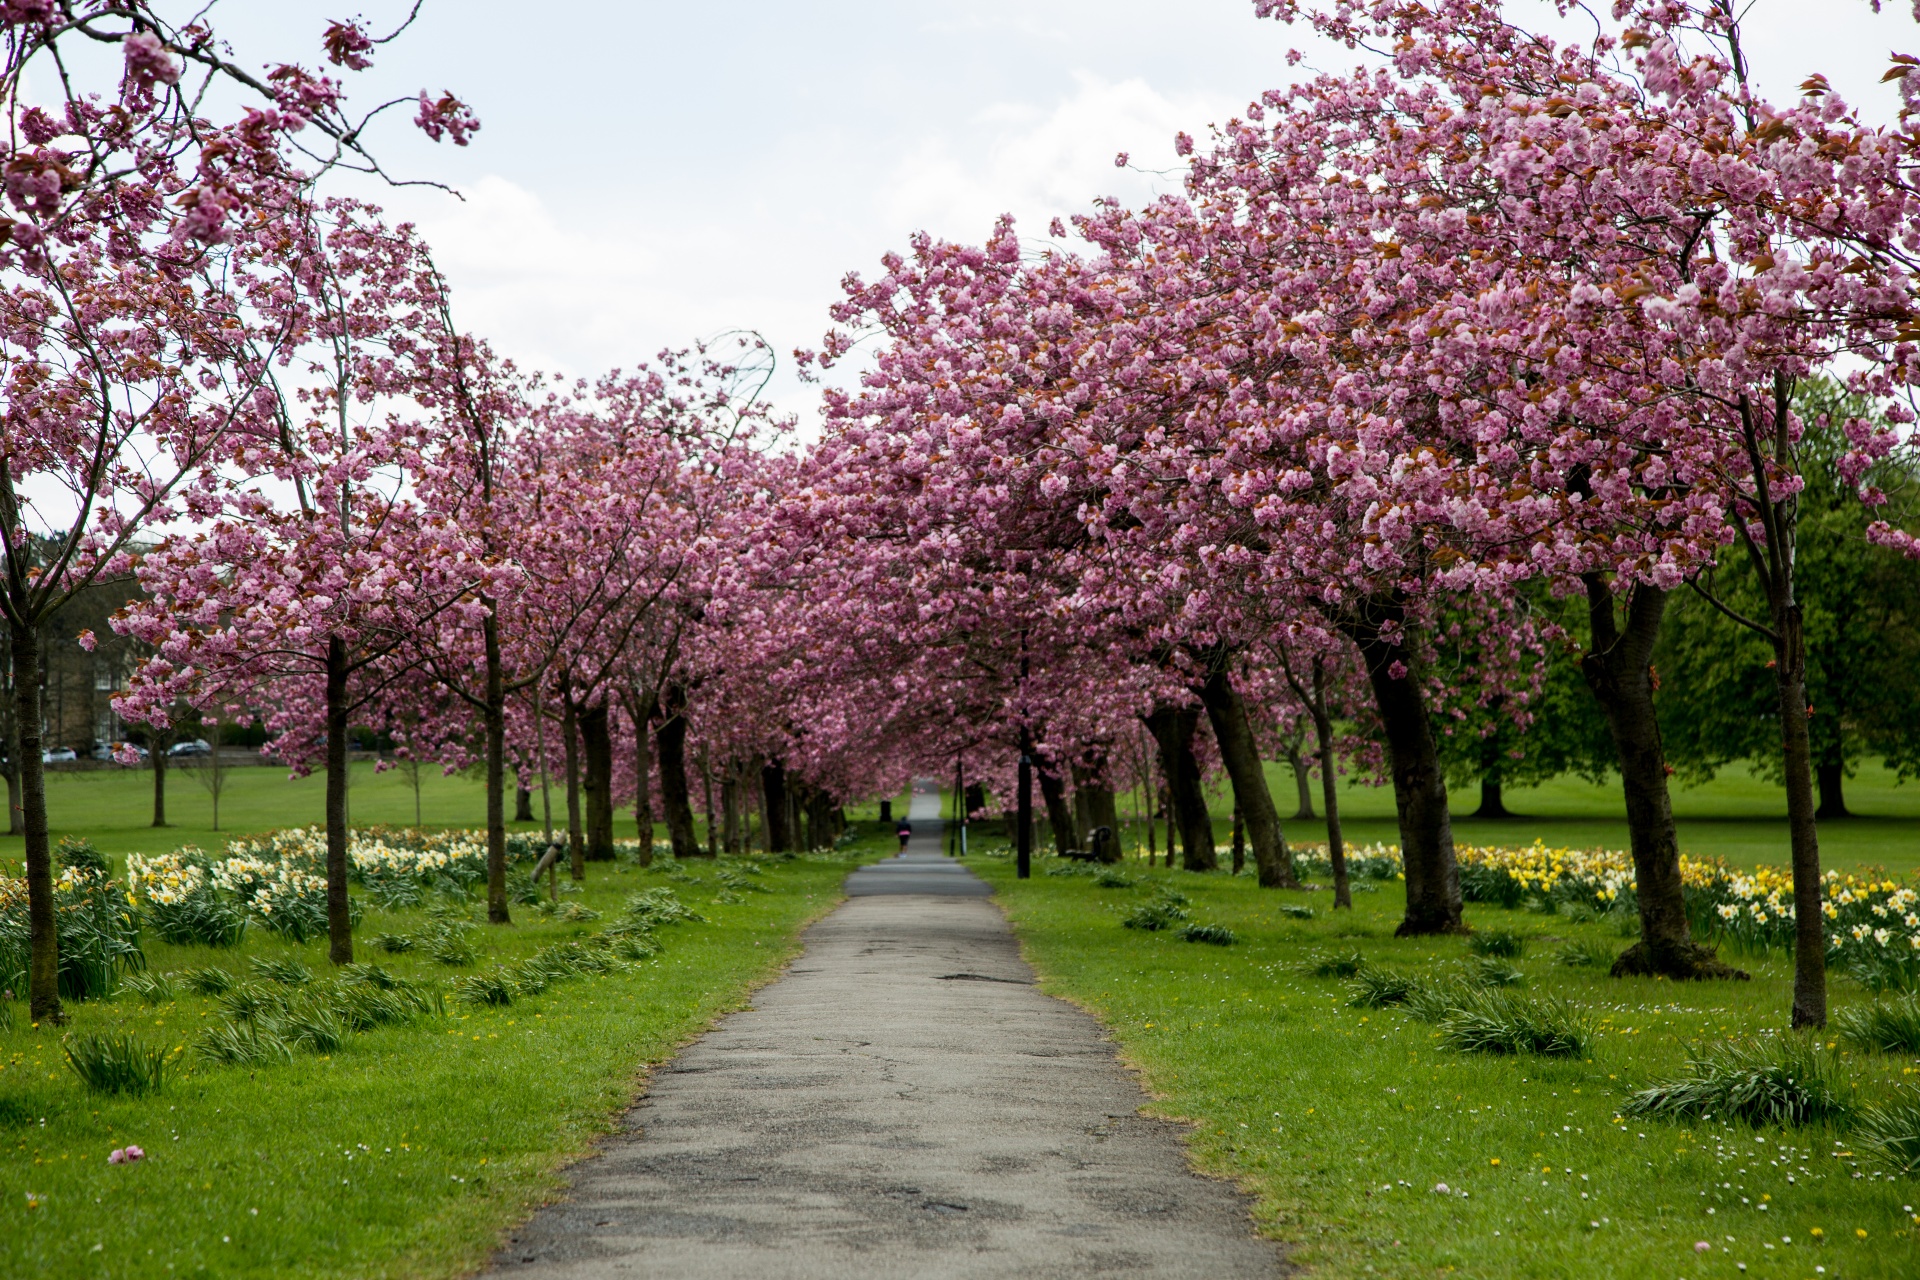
1373 1150
405 1150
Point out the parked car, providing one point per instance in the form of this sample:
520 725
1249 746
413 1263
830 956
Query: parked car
197 747
58 755
111 750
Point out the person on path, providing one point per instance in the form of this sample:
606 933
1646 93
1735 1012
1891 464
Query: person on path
904 830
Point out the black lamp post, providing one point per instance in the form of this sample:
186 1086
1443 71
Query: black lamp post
1024 859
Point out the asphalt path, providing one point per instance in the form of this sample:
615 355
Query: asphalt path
902 1103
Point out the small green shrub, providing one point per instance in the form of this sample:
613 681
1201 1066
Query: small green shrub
242 1044
1329 964
580 913
660 906
449 945
362 1007
1217 935
393 944
734 880
151 987
210 981
1783 1080
288 973
396 893
78 852
1374 988
110 1063
1434 1001
1294 911
584 957
252 1002
484 989
1890 1135
1488 971
314 1025
1500 1022
203 918
371 974
632 946
1502 943
1585 953
1480 882
1884 969
1162 912
1111 879
1885 1026
522 889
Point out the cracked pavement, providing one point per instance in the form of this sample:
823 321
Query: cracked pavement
902 1103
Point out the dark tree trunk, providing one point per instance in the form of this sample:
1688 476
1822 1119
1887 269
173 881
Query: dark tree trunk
773 791
642 712
730 811
1769 446
1419 788
822 822
1239 842
1152 826
494 715
976 798
339 917
1491 803
43 940
1619 669
1330 787
596 749
1809 931
1173 728
16 821
1059 812
522 804
713 823
158 758
1233 732
1302 787
1166 815
1832 777
672 738
576 830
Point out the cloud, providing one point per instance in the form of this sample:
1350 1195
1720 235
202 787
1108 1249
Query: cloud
579 285
1040 163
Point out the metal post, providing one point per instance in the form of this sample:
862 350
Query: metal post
953 831
1024 859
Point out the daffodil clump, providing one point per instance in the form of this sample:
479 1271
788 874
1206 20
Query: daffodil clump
1872 922
98 931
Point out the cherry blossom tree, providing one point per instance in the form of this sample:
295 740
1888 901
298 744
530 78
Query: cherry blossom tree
140 311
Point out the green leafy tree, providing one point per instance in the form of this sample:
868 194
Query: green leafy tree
1861 607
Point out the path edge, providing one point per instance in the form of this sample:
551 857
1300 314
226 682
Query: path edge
640 1082
1153 1110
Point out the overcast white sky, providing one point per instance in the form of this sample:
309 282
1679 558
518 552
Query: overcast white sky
651 172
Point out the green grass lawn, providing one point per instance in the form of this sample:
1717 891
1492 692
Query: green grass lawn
114 807
1342 1122
410 1150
